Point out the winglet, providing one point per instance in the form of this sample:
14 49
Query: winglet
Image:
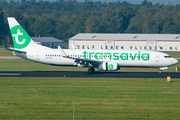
62 52
73 47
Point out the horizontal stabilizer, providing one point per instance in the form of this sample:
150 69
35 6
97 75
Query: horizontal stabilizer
13 49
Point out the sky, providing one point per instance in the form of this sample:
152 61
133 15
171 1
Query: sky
165 2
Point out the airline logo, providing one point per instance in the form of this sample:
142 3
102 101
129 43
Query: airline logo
117 56
20 38
110 66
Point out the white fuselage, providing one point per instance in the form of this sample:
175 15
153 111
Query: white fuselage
124 58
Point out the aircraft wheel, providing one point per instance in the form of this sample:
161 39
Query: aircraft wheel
91 70
160 71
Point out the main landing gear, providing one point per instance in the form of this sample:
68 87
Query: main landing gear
91 70
159 71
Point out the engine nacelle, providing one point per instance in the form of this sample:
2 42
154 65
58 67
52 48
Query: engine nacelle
108 66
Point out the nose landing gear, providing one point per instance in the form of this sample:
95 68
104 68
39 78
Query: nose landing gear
162 68
159 71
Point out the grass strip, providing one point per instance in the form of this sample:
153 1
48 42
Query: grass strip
94 98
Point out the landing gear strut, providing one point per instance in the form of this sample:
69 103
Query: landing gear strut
91 70
160 71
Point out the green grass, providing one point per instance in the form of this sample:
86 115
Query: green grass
174 54
24 65
94 98
4 52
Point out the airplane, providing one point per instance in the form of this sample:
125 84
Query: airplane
104 60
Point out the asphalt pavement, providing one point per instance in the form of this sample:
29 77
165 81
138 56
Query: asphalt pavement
85 74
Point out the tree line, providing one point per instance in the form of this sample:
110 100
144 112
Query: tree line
64 19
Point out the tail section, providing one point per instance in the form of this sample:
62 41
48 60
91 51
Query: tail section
21 39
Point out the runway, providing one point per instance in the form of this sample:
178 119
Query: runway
85 74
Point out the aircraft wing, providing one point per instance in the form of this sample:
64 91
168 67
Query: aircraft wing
81 62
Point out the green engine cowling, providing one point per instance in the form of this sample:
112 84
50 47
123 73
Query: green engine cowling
108 66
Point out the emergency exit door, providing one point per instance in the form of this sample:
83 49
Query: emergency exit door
157 57
37 56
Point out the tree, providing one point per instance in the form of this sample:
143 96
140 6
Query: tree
3 28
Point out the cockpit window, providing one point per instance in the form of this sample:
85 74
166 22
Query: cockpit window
167 56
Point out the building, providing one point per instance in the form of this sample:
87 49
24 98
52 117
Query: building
48 42
157 42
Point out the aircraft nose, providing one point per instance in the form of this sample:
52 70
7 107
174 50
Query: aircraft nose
174 61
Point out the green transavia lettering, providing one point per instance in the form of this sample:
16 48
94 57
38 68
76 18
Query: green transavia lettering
117 56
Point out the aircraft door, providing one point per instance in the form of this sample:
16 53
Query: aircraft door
157 57
37 56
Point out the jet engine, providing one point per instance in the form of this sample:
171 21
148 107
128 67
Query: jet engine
108 66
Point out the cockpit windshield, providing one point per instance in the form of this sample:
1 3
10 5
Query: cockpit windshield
167 56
